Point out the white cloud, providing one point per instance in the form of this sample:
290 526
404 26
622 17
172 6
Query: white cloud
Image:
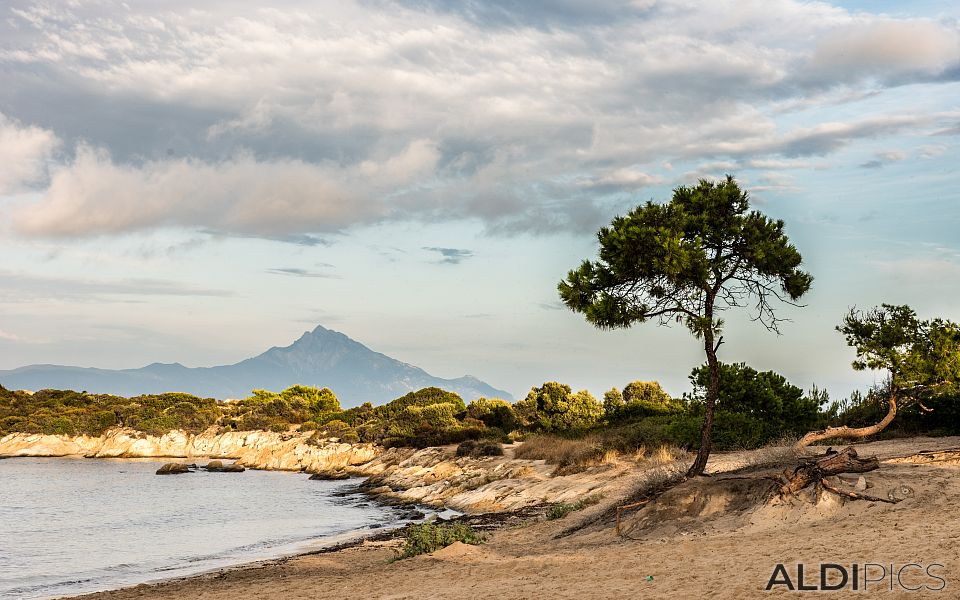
356 112
886 48
24 151
95 195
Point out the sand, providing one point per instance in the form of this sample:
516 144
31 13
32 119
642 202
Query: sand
712 547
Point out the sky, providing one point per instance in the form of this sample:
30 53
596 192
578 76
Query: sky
197 182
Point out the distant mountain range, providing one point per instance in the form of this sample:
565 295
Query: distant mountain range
321 357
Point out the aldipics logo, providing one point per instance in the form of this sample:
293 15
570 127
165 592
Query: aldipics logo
865 577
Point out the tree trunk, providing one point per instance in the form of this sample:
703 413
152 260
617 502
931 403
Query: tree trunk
713 391
845 461
850 433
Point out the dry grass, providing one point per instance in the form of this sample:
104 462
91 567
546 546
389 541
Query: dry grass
661 455
574 455
563 452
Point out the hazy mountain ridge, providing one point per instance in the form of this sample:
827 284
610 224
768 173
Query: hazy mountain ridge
321 357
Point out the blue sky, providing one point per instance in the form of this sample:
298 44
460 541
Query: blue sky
197 185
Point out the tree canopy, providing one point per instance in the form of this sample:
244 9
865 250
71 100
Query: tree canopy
921 358
555 407
701 253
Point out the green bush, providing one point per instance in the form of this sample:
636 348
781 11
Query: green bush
493 413
553 407
781 409
643 399
427 538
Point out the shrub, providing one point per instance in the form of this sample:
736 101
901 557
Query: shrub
478 448
777 407
553 407
494 413
427 538
333 429
644 399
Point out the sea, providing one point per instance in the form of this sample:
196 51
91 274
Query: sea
71 526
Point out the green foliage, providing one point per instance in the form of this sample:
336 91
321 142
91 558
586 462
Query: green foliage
938 415
430 416
922 358
662 261
562 509
331 429
278 412
684 261
66 412
553 407
612 404
319 400
640 399
427 538
493 413
778 406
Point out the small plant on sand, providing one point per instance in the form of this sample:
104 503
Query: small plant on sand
562 509
427 538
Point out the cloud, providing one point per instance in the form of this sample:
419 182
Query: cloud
622 179
24 151
18 287
298 239
450 256
523 116
279 198
298 272
932 150
883 158
886 48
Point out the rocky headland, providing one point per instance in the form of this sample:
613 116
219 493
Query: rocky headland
432 476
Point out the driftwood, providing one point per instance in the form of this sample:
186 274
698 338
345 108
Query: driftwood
831 463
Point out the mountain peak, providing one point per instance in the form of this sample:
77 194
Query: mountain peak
321 357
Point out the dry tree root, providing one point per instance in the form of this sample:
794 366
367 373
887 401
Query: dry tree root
831 463
856 496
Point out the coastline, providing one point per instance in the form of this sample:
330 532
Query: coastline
686 553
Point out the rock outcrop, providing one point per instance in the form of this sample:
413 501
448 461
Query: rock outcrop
431 476
254 449
173 469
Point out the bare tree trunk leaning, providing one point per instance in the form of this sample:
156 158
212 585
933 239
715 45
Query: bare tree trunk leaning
850 433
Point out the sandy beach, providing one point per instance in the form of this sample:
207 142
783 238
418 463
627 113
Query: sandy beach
696 541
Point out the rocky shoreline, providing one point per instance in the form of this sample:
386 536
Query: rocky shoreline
431 476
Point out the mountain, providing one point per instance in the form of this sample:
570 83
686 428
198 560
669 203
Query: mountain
321 357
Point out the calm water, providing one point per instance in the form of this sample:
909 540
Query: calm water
69 526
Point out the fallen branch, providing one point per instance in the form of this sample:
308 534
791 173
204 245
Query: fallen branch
845 461
856 496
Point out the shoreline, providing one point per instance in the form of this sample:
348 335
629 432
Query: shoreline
486 522
491 489
334 543
688 543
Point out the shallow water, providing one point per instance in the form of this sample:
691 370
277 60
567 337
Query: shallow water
69 526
